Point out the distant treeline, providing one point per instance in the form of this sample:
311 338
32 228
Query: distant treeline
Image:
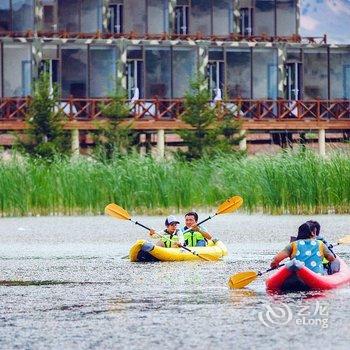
300 183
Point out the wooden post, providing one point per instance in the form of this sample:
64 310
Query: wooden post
160 144
243 141
322 142
75 142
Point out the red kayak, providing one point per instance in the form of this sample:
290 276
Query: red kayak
294 276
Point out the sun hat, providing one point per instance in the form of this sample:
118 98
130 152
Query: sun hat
170 220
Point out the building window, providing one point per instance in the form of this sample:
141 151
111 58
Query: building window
115 24
339 70
157 16
157 72
315 77
346 81
80 16
17 72
264 73
181 19
184 68
216 73
135 73
74 71
293 80
102 66
238 71
246 21
5 15
22 15
49 15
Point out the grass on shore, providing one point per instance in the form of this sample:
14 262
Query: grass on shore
284 183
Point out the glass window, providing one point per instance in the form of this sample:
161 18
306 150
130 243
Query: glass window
22 15
135 16
200 17
184 69
264 20
74 63
238 73
315 74
17 70
91 16
158 72
246 21
339 73
157 16
115 19
68 15
286 17
222 17
49 15
102 71
5 15
293 55
181 19
265 73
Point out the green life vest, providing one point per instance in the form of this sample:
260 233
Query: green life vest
168 238
192 237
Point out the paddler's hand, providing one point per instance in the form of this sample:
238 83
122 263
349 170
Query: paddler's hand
152 232
195 228
273 264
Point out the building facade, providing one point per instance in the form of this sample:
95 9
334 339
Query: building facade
250 50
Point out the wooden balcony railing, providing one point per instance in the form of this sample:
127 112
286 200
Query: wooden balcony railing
89 109
294 38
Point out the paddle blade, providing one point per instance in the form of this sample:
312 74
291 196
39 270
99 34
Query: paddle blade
208 257
117 212
241 279
344 240
230 205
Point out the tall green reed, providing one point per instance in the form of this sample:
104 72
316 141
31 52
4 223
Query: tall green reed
284 183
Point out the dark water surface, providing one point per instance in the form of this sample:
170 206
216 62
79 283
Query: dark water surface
63 285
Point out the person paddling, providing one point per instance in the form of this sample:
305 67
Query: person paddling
331 267
171 237
198 235
306 249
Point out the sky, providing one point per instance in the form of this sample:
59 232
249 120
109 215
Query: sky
331 17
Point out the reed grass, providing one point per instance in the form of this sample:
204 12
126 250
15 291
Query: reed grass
301 183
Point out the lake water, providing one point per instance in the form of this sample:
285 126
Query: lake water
65 285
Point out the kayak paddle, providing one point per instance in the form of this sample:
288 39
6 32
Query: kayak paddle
226 207
242 279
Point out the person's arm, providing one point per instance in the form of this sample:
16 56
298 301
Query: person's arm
283 254
328 254
203 231
154 234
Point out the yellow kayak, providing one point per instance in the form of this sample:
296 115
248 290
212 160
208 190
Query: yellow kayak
145 251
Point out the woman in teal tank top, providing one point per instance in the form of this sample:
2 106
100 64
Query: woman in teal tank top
306 249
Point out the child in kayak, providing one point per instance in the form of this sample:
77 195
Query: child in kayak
171 237
307 249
